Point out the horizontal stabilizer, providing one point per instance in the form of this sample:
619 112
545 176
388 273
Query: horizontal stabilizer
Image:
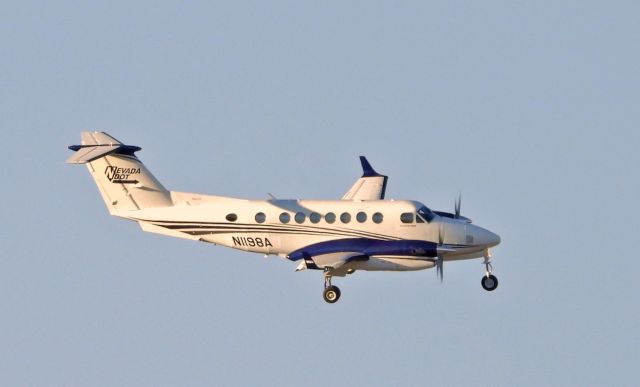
98 138
88 153
96 145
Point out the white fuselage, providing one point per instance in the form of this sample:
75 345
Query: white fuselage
282 226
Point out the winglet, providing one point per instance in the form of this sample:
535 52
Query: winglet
367 169
371 186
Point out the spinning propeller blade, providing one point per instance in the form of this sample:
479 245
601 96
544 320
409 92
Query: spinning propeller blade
440 258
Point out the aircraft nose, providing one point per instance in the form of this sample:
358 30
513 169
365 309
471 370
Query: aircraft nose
495 239
491 239
488 238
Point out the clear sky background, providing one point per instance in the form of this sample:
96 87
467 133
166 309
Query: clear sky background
530 109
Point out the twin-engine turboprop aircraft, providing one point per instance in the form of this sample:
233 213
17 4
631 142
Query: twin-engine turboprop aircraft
361 231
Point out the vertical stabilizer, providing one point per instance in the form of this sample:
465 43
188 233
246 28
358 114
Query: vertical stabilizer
124 181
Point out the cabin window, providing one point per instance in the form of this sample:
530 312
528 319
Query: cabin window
299 217
231 217
377 217
345 217
314 217
361 217
419 219
406 217
285 218
330 217
260 217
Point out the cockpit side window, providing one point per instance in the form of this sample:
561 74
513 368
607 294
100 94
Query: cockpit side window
425 213
406 217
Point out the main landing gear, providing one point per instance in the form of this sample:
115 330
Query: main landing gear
489 281
331 293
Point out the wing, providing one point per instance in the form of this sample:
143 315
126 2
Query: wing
333 261
371 186
335 253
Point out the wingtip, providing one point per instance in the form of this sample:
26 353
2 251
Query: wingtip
367 169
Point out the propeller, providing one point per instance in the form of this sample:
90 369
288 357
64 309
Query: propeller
441 249
440 258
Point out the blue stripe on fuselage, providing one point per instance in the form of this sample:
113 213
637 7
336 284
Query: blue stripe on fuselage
368 247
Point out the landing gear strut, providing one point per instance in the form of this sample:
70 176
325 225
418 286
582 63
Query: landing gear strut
331 293
489 281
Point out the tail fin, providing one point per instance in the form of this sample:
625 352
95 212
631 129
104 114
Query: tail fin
124 182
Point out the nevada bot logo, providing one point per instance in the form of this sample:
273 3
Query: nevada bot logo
121 175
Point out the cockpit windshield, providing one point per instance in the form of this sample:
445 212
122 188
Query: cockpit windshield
425 213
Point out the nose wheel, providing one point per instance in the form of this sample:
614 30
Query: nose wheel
331 293
489 281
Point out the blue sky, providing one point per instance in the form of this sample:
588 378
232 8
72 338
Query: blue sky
530 109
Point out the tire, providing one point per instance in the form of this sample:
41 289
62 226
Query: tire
489 283
331 294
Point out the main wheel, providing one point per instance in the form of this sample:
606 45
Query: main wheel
489 283
331 294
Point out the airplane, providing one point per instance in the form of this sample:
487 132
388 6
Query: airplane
360 231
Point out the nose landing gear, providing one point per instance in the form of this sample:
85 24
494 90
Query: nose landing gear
489 281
